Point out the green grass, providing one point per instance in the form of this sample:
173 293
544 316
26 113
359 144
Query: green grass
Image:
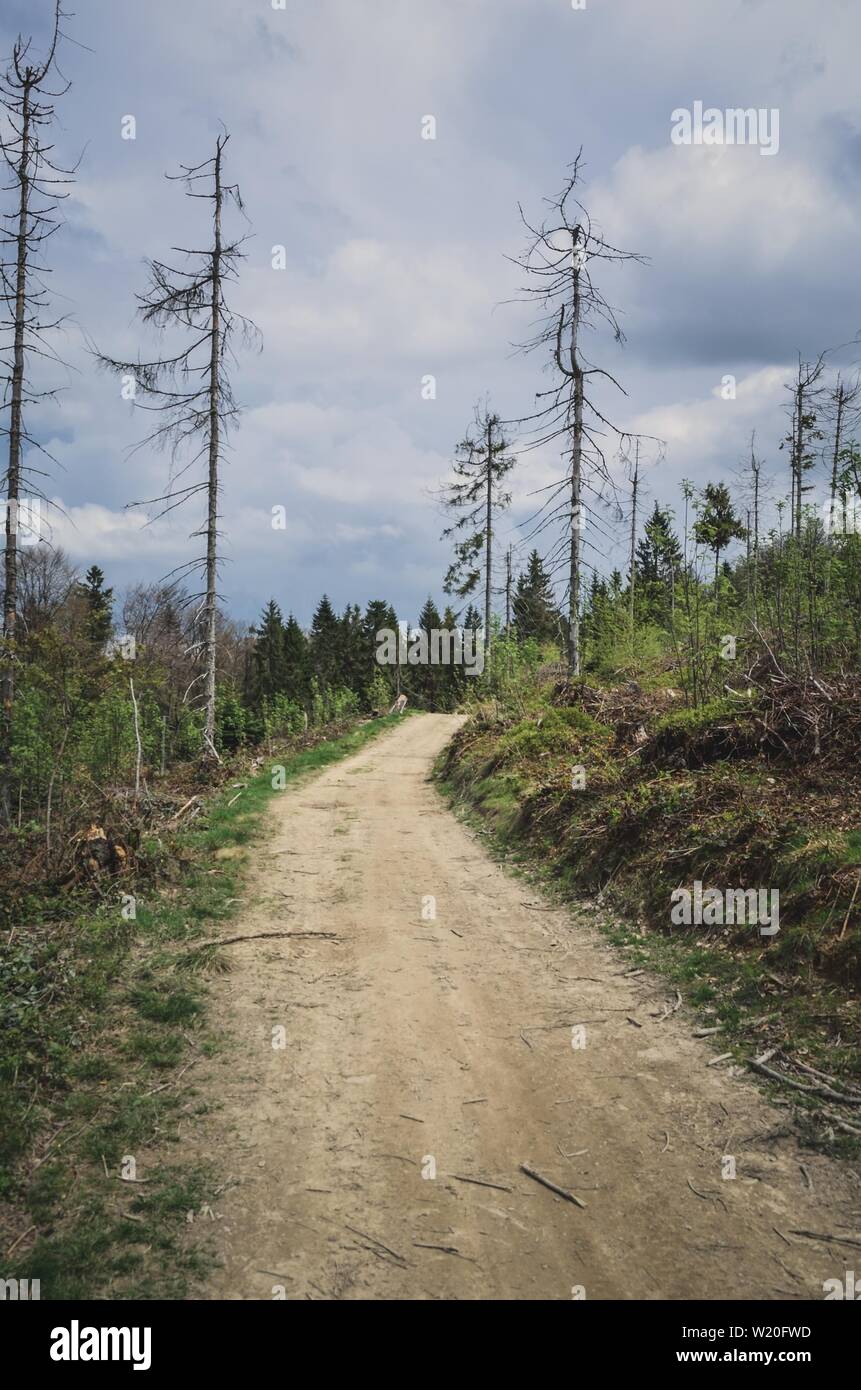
101 1018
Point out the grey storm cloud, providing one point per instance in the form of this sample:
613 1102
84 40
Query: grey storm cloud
397 247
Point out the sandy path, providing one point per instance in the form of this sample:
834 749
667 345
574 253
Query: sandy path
410 1040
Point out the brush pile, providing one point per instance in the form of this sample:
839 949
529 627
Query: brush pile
810 720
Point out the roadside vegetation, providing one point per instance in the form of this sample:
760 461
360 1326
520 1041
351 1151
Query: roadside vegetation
103 1010
678 758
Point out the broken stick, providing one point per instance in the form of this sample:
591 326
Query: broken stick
545 1182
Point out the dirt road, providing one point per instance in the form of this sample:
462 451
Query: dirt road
417 1046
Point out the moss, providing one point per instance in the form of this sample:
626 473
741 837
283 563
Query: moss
553 732
683 722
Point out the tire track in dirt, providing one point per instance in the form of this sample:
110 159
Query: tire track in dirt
449 1041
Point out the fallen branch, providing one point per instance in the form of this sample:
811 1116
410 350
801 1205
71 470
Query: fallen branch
822 1075
446 1250
22 1236
826 1235
481 1182
175 817
706 1196
364 1234
669 1009
825 1091
849 911
842 1124
264 936
545 1182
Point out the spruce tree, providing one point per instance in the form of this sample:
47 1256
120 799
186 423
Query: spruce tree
380 684
325 644
658 563
379 616
269 664
352 666
535 612
472 619
717 525
659 554
99 603
426 680
296 662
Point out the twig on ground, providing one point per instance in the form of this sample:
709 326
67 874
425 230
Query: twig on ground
266 935
826 1236
481 1182
552 1186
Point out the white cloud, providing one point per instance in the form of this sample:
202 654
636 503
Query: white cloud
723 211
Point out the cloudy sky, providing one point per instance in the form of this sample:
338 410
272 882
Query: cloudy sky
397 246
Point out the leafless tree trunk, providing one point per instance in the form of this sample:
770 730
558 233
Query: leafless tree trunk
844 412
13 475
139 750
570 299
488 535
212 481
839 400
805 398
635 483
756 472
34 180
576 463
192 389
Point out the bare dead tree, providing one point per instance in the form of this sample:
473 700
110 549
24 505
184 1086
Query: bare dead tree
843 410
561 257
636 465
804 405
28 89
754 486
635 487
191 391
475 496
46 581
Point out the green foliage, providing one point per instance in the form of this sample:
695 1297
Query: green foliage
717 524
474 496
511 673
679 723
635 831
99 603
282 716
231 721
380 692
81 993
536 616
